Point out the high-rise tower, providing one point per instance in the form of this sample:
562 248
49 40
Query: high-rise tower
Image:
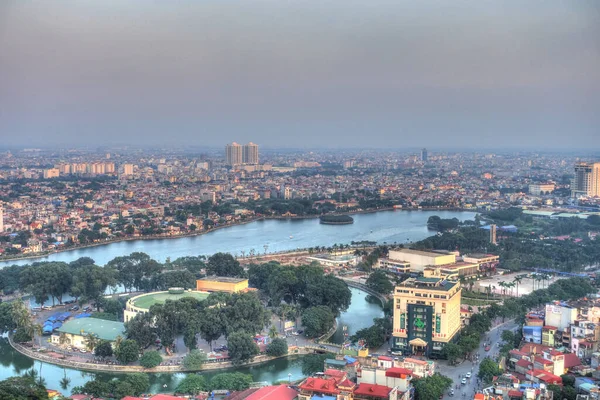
233 154
250 153
424 155
587 180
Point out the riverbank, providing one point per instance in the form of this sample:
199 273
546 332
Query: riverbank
42 255
208 366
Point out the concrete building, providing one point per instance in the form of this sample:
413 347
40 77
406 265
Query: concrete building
396 267
250 153
77 330
222 284
51 173
1 219
418 259
493 239
233 154
560 315
141 304
424 155
538 189
127 169
426 314
587 180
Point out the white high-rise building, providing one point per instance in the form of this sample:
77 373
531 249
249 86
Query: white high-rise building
250 153
233 154
1 219
127 169
587 180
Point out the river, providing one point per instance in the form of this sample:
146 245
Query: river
278 235
362 310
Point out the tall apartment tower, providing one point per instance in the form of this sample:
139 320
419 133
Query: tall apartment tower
493 234
127 169
250 153
587 180
1 219
233 154
424 155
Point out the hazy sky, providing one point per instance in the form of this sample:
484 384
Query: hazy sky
368 73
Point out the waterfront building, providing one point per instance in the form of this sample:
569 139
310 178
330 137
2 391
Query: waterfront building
77 330
222 284
586 182
418 259
487 262
426 314
142 303
233 154
250 153
394 266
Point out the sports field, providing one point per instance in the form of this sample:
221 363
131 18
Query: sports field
160 298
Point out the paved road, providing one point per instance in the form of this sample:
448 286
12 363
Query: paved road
454 371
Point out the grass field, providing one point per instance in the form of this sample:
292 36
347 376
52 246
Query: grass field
160 298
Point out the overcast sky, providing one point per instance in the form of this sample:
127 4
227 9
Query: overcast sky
347 73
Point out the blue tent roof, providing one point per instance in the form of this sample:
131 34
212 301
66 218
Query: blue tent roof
317 397
63 316
350 360
56 325
84 315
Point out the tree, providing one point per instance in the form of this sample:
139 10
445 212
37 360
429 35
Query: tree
212 325
96 388
192 384
103 349
22 388
141 329
241 347
379 282
91 341
452 352
128 351
150 359
278 347
273 332
121 389
374 336
312 363
194 360
231 381
317 320
140 382
508 336
7 320
245 312
568 380
488 368
90 282
22 336
431 387
224 264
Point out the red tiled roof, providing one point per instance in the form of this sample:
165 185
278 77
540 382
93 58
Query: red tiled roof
523 363
385 358
543 361
479 396
320 385
131 398
165 397
534 348
346 383
397 372
281 392
515 393
549 327
335 373
571 360
367 389
544 376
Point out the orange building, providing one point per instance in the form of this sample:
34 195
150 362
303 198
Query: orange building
222 284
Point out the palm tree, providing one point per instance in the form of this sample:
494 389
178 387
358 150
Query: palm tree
273 333
91 341
517 280
502 284
118 341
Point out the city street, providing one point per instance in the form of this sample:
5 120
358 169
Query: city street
454 371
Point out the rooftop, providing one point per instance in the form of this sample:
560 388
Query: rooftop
150 299
366 389
224 279
429 283
105 330
422 253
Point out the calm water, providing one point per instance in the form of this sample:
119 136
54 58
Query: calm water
384 226
359 315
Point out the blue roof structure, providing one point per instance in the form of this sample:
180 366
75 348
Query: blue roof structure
350 360
84 315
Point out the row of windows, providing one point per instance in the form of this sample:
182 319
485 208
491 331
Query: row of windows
418 294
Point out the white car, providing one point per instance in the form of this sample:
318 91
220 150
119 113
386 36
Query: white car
468 375
464 381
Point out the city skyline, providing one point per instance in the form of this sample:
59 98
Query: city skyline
382 75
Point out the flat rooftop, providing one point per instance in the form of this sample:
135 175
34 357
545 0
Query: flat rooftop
422 253
224 279
479 255
105 330
150 299
428 284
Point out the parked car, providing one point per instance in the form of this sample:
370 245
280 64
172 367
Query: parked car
468 375
464 381
451 393
487 348
74 308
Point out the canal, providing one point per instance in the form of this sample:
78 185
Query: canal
360 314
277 235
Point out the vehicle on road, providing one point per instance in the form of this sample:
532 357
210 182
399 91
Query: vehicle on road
468 375
487 348
451 393
464 381
322 347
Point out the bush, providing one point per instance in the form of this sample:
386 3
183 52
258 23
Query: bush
192 384
194 360
21 336
150 359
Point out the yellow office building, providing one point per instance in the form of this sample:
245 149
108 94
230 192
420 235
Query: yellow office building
426 314
221 284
